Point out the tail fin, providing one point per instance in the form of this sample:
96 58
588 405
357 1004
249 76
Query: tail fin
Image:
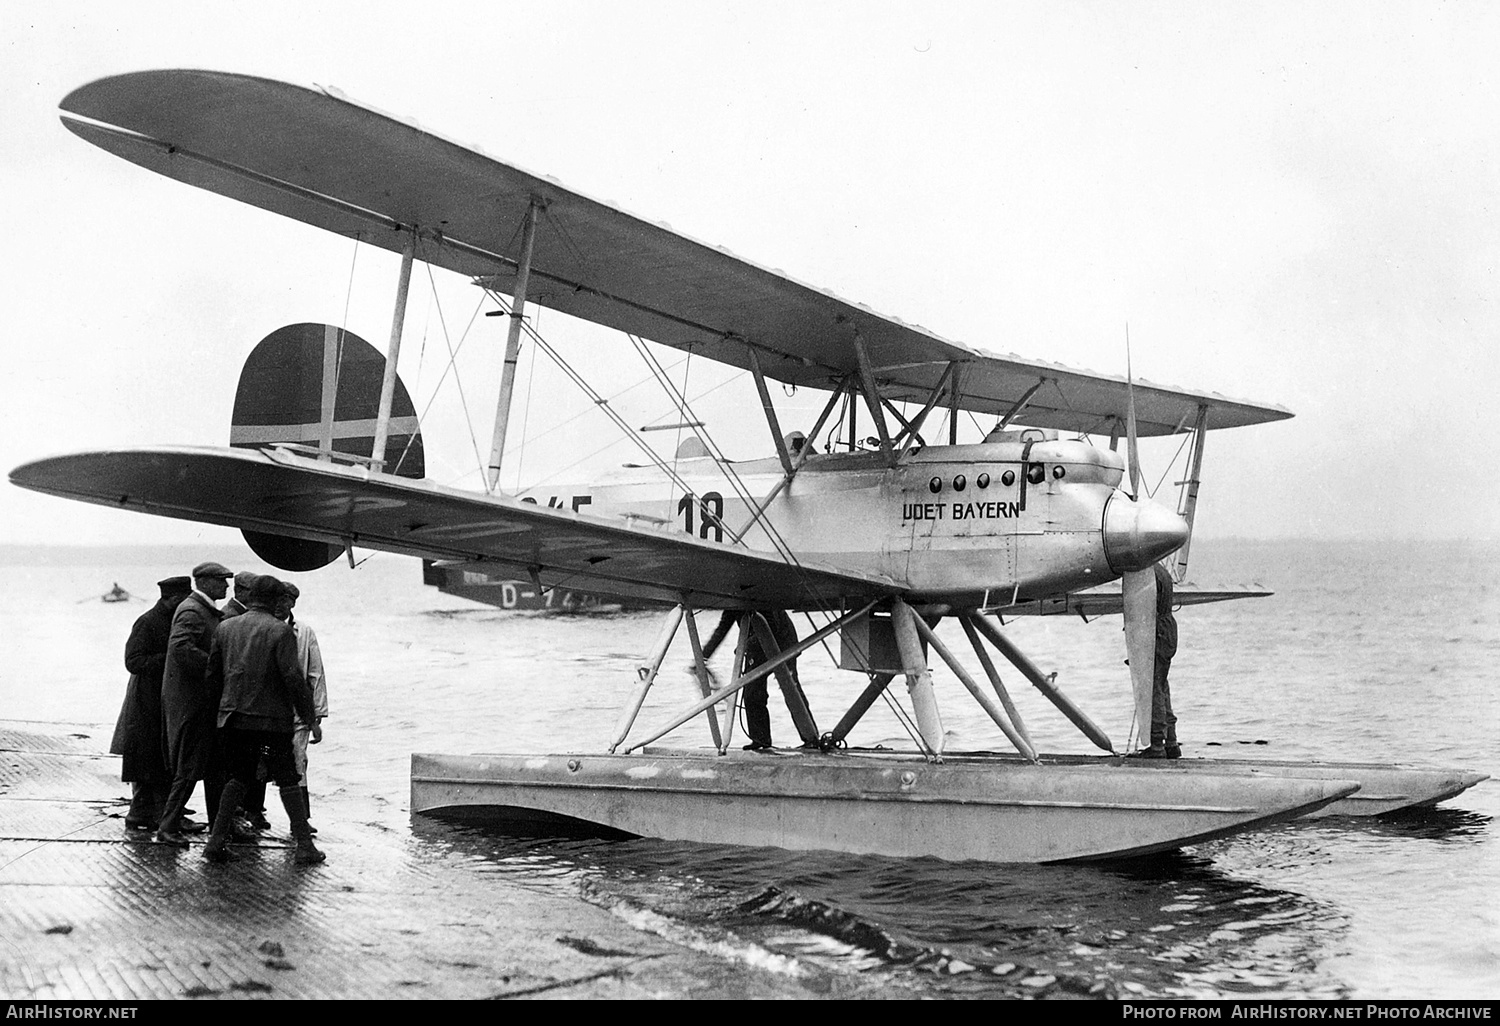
318 386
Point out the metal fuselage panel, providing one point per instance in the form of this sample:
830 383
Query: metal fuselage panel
949 523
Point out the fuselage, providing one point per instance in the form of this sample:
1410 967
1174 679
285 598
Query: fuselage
965 525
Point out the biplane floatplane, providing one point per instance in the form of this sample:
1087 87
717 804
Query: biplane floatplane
880 537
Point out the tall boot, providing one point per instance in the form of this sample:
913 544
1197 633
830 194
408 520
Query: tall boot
307 852
217 848
307 804
167 830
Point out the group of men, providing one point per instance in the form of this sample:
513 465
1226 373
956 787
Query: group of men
218 696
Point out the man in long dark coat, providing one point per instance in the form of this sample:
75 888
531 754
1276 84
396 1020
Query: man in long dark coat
139 732
189 707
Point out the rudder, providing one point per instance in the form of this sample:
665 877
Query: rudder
318 386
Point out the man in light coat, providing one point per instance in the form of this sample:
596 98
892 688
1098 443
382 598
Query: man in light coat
311 659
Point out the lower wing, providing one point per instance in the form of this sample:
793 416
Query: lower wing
280 493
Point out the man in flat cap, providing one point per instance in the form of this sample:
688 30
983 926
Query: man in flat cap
238 602
188 707
255 666
255 801
139 732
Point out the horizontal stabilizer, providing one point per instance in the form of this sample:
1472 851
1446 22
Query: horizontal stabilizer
1106 599
282 493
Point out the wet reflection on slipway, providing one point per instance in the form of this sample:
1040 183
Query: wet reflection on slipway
1169 925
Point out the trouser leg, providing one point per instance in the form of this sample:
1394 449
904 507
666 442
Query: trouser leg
278 753
159 791
214 779
143 812
1163 722
757 715
177 799
217 848
255 799
296 811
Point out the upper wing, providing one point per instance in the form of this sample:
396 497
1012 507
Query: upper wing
1104 599
280 493
315 155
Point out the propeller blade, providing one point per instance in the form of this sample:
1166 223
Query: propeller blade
1140 644
1135 462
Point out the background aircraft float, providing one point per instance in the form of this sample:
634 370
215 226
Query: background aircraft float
877 532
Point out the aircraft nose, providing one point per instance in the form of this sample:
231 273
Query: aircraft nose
1137 534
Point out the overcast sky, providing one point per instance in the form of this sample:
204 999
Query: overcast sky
1292 203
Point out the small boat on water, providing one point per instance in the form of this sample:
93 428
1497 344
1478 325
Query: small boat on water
116 594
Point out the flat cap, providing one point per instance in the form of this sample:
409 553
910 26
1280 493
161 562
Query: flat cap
245 579
212 569
171 584
265 591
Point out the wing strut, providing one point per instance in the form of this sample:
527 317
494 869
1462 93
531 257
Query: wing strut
909 432
1020 405
770 411
1190 496
797 462
513 341
954 396
872 399
388 382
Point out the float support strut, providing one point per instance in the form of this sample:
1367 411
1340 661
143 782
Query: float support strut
990 672
918 678
765 668
878 683
1043 683
647 674
985 701
701 672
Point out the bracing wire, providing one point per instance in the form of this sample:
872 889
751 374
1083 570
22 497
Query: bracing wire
338 356
452 365
560 471
779 544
